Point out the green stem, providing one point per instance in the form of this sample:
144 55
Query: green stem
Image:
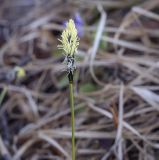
72 116
2 95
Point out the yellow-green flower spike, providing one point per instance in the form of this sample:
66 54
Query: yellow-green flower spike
69 39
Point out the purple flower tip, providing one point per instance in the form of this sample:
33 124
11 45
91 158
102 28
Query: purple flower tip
78 19
79 24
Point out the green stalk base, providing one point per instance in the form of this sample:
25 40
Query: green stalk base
70 76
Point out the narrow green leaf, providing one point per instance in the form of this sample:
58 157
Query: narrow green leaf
87 87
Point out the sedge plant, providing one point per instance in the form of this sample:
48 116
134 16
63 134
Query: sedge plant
69 44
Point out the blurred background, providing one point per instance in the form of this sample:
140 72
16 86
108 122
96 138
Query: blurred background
116 82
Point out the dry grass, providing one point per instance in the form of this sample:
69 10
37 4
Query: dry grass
116 116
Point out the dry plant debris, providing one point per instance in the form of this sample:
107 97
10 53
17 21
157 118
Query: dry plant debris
117 81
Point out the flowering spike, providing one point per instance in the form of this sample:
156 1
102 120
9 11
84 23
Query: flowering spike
69 39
